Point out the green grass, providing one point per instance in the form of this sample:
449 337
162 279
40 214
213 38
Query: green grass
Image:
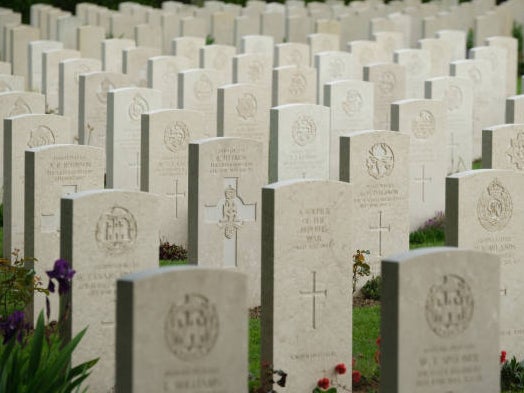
254 348
366 329
164 262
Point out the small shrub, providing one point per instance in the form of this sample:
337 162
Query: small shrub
511 374
372 288
360 267
172 252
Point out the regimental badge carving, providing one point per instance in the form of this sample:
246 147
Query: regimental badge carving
298 84
453 97
229 220
336 68
138 106
387 82
475 75
247 106
41 136
116 230
353 103
176 136
516 151
20 107
494 207
423 125
203 88
294 57
4 87
191 327
255 70
380 160
304 130
101 92
449 306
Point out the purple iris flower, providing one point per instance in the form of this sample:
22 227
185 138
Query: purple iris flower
63 274
13 326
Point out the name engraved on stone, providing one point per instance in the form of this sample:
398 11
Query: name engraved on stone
20 107
176 136
380 160
138 106
230 214
41 136
101 92
449 306
353 103
313 294
423 125
191 327
515 152
297 85
304 130
454 98
203 88
116 230
247 106
387 83
494 207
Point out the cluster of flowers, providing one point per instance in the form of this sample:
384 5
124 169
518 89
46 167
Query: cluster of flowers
340 369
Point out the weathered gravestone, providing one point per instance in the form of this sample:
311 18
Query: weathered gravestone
484 212
293 85
376 164
510 46
503 147
220 58
439 324
425 122
457 94
19 38
89 41
125 107
92 110
21 133
166 135
365 53
112 53
441 54
103 235
51 173
307 234
35 51
254 68
515 109
299 142
135 62
50 75
334 66
351 106
193 339
188 47
162 74
418 69
225 178
292 53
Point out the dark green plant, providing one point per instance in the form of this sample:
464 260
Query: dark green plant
470 39
372 288
512 375
210 40
432 231
517 33
360 267
172 252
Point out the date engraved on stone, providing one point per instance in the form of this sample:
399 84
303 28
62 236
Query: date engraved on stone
191 327
380 160
41 136
176 136
116 230
424 125
494 207
449 306
304 130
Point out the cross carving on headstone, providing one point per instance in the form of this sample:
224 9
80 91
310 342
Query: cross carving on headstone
452 145
175 196
314 293
230 213
51 222
380 229
423 180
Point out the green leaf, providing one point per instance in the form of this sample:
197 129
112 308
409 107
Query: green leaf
37 343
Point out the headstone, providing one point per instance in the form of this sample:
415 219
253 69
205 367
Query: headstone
10 82
69 77
193 27
104 235
19 38
207 326
302 221
164 170
67 30
390 85
441 54
334 66
222 28
50 75
112 53
376 164
5 68
321 42
52 172
92 110
389 42
148 36
135 63
365 53
125 107
456 39
298 27
257 44
510 45
292 53
220 58
292 84
441 311
244 25
515 109
418 68
224 208
484 213
299 142
243 112
351 107
502 147
21 133
188 47
162 74
35 52
254 68
457 94
273 23
89 41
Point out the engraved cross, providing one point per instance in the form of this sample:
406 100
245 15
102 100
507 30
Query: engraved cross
176 195
380 229
423 180
314 293
230 213
452 145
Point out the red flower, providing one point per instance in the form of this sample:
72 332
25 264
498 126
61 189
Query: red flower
323 383
503 357
355 376
340 368
378 341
